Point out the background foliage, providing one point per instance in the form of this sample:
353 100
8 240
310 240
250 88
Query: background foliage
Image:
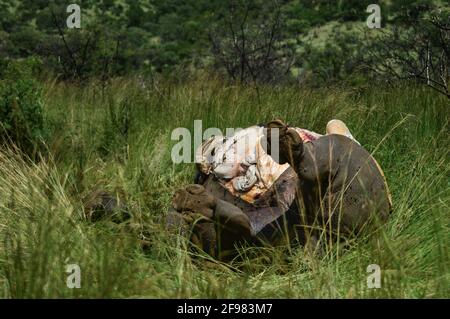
151 37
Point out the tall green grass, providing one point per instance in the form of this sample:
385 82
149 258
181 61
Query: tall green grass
117 137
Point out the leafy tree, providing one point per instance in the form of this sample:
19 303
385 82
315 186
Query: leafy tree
419 51
251 43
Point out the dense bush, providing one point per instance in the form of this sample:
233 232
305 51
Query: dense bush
253 40
21 115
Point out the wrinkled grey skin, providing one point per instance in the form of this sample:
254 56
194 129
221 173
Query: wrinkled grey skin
341 191
341 185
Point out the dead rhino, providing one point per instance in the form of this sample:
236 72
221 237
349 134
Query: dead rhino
325 187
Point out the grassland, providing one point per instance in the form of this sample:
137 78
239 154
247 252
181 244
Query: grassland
116 136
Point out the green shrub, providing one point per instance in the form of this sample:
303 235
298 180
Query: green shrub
21 117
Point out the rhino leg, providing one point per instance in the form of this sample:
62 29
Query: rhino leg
100 205
213 225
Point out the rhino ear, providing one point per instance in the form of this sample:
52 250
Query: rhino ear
273 147
293 147
274 129
295 141
277 123
289 145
